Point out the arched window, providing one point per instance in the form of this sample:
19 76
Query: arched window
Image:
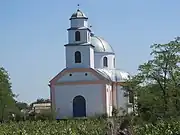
77 36
77 57
105 62
114 63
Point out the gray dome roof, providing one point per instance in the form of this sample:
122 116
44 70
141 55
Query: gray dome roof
78 15
101 45
114 75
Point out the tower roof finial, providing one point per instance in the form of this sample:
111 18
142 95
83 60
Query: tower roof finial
78 6
78 14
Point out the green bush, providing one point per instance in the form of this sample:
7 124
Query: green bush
85 127
160 128
44 116
66 127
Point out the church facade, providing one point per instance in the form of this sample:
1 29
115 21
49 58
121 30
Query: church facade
90 84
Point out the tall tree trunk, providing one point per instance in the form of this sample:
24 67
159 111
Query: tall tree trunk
2 112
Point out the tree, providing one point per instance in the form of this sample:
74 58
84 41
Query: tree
41 100
7 102
157 84
22 105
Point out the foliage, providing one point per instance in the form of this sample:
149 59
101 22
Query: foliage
45 115
160 128
67 127
115 111
40 100
86 127
22 105
157 85
7 102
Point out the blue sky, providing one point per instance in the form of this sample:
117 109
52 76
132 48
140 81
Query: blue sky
33 34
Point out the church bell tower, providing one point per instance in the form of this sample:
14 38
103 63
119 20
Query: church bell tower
79 51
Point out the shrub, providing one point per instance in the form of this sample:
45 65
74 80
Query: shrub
44 116
69 127
160 128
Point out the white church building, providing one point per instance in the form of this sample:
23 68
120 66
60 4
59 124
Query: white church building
90 84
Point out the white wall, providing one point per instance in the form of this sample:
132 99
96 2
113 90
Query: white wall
114 96
121 100
79 23
87 57
92 93
130 110
99 60
84 36
109 99
78 76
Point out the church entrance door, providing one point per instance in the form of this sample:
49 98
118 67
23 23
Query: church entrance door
79 106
